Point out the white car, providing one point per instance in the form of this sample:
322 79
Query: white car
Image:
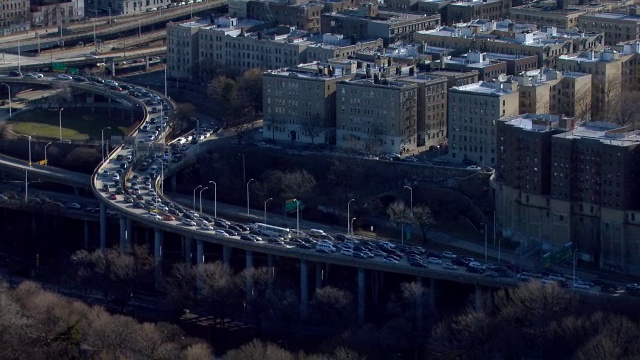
390 260
116 177
152 192
206 227
434 260
110 83
188 222
347 252
193 213
73 205
448 255
154 216
106 172
64 77
162 207
221 233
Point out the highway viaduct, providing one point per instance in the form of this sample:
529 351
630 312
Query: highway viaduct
127 215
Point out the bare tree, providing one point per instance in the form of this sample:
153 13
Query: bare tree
257 284
180 288
217 288
584 105
258 350
333 308
399 213
312 128
249 87
423 217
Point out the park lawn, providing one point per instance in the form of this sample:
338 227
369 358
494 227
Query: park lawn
78 125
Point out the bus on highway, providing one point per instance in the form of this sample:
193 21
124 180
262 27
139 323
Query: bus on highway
269 230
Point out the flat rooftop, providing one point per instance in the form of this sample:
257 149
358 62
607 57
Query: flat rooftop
482 88
386 83
606 133
528 122
304 73
472 3
422 78
614 16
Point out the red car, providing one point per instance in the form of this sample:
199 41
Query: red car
113 197
168 217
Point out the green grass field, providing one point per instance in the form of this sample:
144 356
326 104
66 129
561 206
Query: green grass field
77 124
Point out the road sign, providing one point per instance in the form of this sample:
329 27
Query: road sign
58 67
74 71
558 256
291 205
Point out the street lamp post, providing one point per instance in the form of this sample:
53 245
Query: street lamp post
575 253
244 172
410 197
194 196
486 242
197 131
60 122
165 79
248 182
201 190
9 90
352 220
349 216
297 217
45 153
215 199
102 142
265 209
29 136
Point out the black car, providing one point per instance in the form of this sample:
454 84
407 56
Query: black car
242 227
235 227
247 238
96 79
475 270
304 246
222 224
15 73
360 255
79 78
139 197
434 254
459 261
341 237
138 204
230 232
207 218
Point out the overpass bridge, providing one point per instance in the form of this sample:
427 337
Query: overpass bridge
127 214
152 20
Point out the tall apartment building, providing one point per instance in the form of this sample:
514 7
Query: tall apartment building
590 198
368 22
488 68
14 16
299 104
432 108
376 115
236 46
47 13
473 113
547 14
617 27
303 16
605 68
464 11
548 45
549 91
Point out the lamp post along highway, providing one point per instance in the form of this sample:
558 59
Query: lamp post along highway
265 209
297 217
215 199
102 141
29 136
60 122
45 153
410 197
349 216
9 90
194 196
165 79
248 182
201 190
352 220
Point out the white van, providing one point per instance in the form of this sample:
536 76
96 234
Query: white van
316 232
325 247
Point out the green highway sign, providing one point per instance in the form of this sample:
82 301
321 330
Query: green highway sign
58 67
291 205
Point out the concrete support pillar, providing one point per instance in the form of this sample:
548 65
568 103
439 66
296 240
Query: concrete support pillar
226 254
103 226
86 234
318 275
199 252
304 289
272 269
157 255
130 240
173 183
433 289
249 284
361 296
187 250
478 297
123 233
